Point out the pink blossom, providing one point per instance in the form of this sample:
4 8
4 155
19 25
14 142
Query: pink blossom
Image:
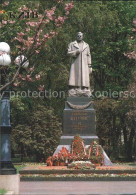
134 29
40 16
4 22
30 80
38 44
46 36
31 69
27 29
134 21
60 20
69 6
60 1
132 53
19 52
25 8
50 13
37 39
54 8
38 77
49 16
67 13
29 38
20 39
6 3
20 76
52 33
46 21
28 76
20 9
23 78
41 88
32 24
11 21
36 51
38 33
28 42
125 54
21 34
15 84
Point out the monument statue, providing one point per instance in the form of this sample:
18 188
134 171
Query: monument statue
79 114
79 82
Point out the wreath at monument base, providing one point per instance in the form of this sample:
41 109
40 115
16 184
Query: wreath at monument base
92 155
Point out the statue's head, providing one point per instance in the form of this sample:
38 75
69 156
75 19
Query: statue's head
79 36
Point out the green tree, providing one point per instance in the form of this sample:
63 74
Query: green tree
39 136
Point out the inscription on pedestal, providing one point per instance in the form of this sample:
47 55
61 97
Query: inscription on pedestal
79 122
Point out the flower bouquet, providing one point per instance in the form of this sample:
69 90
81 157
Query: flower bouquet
49 161
95 154
55 160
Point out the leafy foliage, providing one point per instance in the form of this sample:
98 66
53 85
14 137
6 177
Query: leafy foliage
39 136
115 128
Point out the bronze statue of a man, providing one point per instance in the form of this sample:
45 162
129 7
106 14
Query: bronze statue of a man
79 81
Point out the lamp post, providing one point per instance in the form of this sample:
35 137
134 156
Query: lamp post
6 166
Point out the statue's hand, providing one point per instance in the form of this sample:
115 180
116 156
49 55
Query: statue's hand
90 70
77 52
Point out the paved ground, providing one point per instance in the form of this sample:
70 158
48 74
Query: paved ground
78 188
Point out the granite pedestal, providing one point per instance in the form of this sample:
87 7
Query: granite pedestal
79 117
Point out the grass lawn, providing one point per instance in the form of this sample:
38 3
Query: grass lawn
19 167
2 191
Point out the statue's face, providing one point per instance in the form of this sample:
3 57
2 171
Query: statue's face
79 36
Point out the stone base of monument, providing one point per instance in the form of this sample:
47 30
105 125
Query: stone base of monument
10 183
66 142
79 118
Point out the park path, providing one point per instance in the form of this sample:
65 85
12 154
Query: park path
78 188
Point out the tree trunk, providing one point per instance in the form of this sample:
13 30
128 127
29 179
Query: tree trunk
130 142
